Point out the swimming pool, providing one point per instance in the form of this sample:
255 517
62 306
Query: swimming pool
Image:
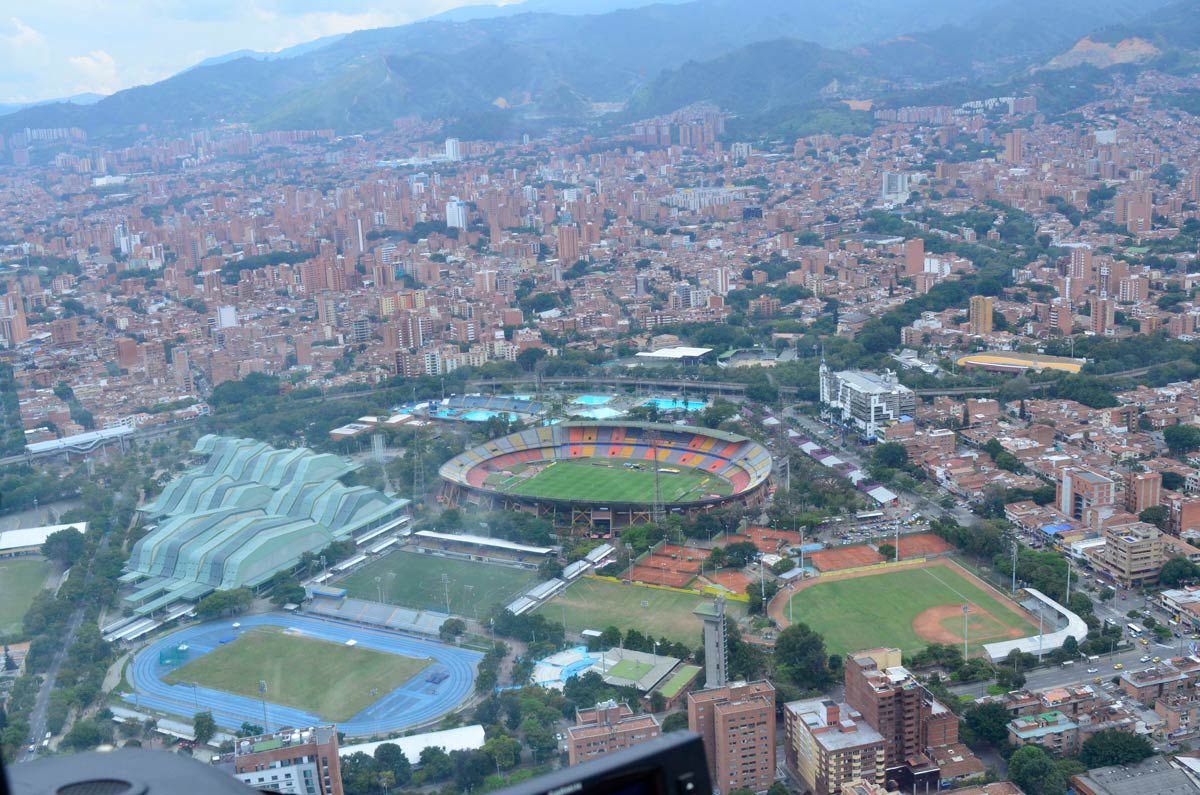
479 415
592 400
671 404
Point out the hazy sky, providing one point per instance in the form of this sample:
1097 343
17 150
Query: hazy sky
56 48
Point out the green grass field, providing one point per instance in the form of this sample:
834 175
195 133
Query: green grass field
597 604
595 479
878 610
630 669
677 681
20 580
413 579
329 679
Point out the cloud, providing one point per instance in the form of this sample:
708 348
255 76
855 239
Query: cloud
17 34
96 71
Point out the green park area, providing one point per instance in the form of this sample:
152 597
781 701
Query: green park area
20 580
414 579
332 680
630 669
598 604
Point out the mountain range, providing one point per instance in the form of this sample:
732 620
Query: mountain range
501 70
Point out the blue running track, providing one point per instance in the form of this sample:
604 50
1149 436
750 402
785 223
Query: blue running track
418 701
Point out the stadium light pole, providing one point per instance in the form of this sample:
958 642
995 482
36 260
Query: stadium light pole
966 630
379 588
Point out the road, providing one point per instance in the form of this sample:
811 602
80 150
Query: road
826 438
1077 673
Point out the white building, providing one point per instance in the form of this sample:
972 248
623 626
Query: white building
227 316
895 188
453 149
867 402
456 213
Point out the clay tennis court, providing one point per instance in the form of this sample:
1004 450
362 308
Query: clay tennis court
655 575
921 545
839 558
769 539
731 580
671 556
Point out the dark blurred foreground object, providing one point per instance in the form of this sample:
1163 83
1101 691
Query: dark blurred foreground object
673 764
126 772
669 765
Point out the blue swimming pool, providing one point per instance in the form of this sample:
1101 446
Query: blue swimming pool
592 400
670 404
479 415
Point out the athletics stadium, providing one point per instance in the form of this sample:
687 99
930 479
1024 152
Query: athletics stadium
609 474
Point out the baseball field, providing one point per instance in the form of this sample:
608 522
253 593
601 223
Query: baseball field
908 608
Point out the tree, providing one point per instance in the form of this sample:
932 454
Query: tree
1181 439
435 764
1034 771
891 455
1176 571
390 758
675 722
610 638
452 628
84 734
204 727
64 546
1157 515
888 551
988 722
248 729
1114 747
222 603
800 655
504 751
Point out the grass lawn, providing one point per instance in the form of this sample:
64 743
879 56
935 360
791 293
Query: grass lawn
630 669
20 580
869 612
329 679
685 674
417 583
595 479
597 604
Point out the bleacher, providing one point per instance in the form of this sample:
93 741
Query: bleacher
377 614
490 403
743 462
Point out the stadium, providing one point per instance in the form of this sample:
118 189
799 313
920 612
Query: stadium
602 474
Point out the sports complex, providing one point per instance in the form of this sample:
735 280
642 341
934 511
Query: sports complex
609 474
279 670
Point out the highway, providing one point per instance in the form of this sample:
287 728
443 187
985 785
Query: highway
1077 672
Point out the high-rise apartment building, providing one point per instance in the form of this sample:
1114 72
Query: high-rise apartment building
1103 315
914 256
1132 554
292 761
1142 490
456 213
890 699
453 149
1079 489
827 744
568 244
607 727
981 314
737 723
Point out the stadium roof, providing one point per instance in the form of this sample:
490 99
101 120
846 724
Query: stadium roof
34 536
80 442
250 511
676 352
1013 360
484 541
464 738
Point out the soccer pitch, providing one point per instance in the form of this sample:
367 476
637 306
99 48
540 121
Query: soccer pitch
601 481
413 579
328 679
631 670
906 608
20 580
598 604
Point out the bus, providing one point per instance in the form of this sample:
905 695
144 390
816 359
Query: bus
1134 630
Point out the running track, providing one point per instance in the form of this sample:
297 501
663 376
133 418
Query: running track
416 702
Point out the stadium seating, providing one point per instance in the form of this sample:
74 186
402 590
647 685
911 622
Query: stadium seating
743 462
